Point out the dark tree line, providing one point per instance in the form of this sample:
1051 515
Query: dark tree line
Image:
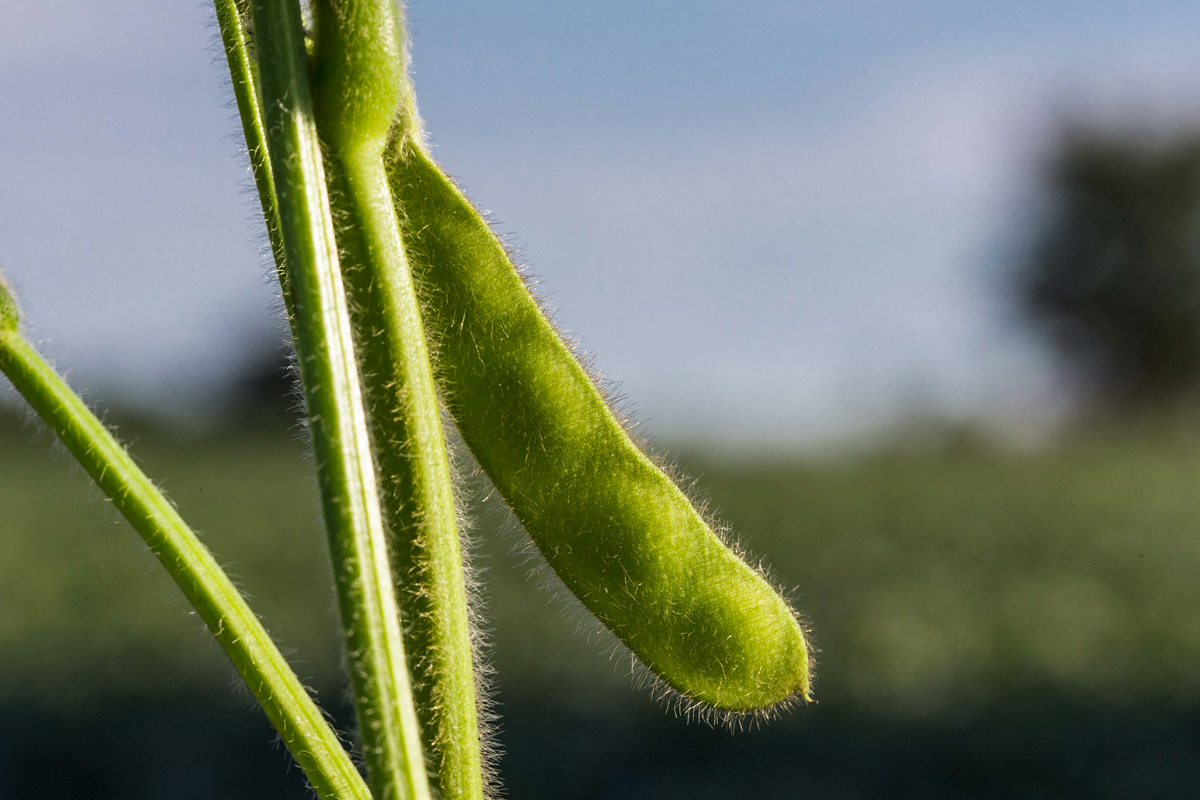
1113 278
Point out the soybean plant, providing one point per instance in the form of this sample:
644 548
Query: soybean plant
401 301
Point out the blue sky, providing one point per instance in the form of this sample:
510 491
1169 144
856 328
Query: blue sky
784 223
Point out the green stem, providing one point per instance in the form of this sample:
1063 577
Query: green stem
360 89
370 615
414 472
297 719
243 74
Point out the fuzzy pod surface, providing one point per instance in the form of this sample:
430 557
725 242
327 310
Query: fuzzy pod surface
614 527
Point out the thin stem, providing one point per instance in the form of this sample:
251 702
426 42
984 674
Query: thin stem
243 74
366 597
414 473
10 315
299 722
360 90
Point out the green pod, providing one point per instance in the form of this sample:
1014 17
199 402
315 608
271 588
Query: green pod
618 532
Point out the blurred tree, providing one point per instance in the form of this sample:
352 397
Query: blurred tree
1114 274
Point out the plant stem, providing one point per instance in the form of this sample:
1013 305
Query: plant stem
297 719
414 473
366 597
360 89
10 315
243 75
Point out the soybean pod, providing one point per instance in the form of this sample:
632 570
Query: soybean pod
614 527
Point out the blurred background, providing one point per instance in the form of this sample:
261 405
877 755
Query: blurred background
913 290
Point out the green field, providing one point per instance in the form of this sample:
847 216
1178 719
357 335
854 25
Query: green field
940 585
929 580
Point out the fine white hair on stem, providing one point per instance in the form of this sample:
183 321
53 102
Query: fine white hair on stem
487 717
